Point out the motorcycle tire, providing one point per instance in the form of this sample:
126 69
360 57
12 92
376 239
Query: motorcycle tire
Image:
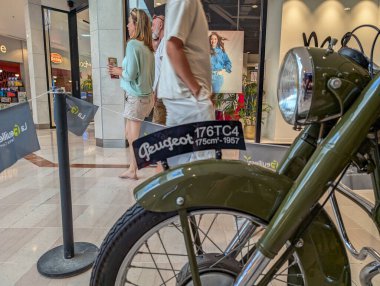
134 229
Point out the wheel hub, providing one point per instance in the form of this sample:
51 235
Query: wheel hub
214 270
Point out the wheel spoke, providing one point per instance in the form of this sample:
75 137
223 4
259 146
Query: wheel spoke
152 268
289 266
166 253
155 264
159 258
207 237
157 253
133 284
287 283
208 230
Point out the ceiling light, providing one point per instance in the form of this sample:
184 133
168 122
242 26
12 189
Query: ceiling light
255 6
347 9
158 3
85 35
17 75
1 71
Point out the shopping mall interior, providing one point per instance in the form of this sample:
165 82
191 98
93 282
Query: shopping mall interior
57 45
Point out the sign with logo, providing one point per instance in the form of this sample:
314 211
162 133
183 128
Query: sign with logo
84 64
3 49
56 58
188 138
265 155
18 136
79 114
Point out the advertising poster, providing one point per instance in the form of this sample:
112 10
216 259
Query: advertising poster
226 50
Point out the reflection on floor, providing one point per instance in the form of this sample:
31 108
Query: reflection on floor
30 219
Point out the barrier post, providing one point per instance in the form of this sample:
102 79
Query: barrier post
70 258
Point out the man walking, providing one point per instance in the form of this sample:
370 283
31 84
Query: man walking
185 80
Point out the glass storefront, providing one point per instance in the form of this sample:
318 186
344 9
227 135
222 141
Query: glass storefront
12 72
84 50
60 58
57 47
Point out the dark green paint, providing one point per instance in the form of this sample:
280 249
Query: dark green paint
250 189
326 102
215 183
300 152
322 237
190 248
327 162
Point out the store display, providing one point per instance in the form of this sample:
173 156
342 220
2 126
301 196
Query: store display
12 90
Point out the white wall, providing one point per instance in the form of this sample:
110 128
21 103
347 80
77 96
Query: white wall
288 19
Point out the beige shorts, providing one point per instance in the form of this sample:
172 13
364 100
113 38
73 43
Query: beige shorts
137 107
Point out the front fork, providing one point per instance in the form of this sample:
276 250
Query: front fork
324 166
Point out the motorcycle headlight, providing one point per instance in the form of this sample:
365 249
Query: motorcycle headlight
317 85
295 86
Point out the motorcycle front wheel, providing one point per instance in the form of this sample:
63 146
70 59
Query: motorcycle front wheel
147 249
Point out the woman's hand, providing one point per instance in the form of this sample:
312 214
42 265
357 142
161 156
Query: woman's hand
115 70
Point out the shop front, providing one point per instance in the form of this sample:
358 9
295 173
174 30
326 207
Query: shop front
310 22
68 53
13 72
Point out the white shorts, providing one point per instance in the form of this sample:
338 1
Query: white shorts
188 110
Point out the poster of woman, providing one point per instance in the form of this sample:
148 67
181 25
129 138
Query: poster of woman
226 56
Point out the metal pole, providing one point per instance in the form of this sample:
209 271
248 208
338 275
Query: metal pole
260 90
64 174
61 261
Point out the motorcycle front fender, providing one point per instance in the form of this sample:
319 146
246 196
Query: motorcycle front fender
252 189
216 184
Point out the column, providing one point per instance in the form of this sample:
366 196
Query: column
36 62
275 129
107 26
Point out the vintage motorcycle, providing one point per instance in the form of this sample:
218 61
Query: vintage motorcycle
225 222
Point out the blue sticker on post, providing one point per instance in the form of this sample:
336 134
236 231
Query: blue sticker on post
188 138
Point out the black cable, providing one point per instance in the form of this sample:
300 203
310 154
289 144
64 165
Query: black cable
347 37
372 54
336 184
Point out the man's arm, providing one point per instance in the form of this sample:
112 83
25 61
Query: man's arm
180 64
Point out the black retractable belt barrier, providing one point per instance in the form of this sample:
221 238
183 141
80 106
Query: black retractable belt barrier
70 258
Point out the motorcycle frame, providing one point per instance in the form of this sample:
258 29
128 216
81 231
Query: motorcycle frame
329 159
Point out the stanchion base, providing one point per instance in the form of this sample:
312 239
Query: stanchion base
53 264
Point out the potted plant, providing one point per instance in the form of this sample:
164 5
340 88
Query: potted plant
248 110
226 104
87 84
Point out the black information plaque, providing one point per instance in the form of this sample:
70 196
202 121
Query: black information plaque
188 138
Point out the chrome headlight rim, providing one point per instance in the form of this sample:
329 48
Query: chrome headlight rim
304 86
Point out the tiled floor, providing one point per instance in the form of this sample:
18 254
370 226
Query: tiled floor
30 219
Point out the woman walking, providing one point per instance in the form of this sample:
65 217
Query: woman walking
137 77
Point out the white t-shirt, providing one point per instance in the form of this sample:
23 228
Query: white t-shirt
186 20
158 59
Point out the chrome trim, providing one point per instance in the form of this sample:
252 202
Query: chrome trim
365 251
252 270
369 272
366 205
295 107
240 239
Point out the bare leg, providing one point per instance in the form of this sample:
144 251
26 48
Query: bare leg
159 168
133 132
